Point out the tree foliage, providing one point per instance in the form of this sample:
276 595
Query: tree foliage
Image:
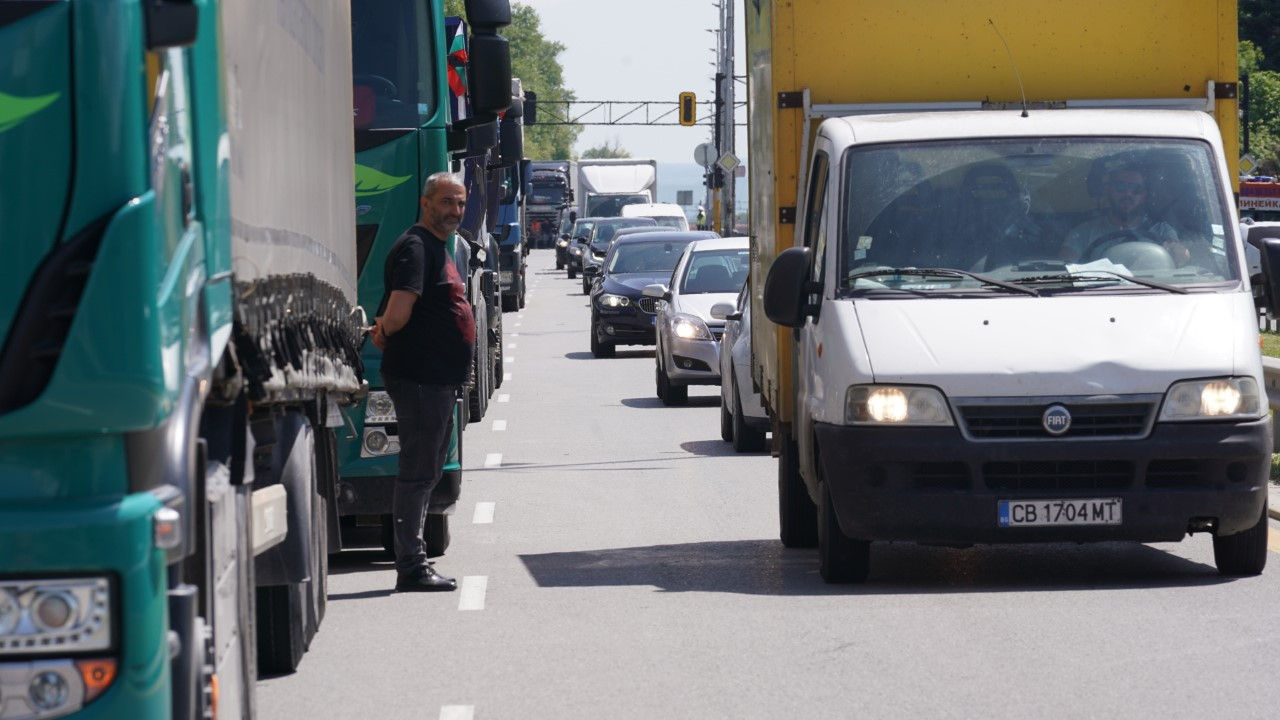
607 149
1264 108
535 60
1260 25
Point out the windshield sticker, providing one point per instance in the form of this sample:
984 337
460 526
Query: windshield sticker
14 109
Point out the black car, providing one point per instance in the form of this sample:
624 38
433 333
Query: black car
591 272
576 244
620 314
601 236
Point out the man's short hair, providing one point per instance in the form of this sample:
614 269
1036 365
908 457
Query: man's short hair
435 180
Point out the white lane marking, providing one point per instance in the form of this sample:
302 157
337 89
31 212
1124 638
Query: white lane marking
458 712
508 360
504 398
513 334
473 589
499 425
493 460
520 316
506 377
517 324
484 513
511 346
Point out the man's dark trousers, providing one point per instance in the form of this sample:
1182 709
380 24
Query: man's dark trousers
424 416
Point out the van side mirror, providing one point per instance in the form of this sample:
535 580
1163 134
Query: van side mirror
786 288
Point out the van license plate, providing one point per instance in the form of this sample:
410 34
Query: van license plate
1041 513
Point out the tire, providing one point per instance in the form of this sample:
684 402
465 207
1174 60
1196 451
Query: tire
559 265
281 627
668 392
478 395
601 349
572 273
520 296
435 532
840 559
797 515
745 437
726 422
585 287
509 303
1245 553
387 534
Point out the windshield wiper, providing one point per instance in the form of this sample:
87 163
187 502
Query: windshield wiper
942 272
1103 275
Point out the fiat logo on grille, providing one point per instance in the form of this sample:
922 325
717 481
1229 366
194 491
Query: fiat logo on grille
1056 420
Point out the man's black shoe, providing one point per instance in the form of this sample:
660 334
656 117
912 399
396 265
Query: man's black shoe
425 580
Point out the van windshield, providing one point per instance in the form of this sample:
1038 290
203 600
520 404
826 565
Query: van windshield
1053 214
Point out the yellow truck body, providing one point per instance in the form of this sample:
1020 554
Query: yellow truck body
905 52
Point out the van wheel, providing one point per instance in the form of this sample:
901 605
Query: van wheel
797 516
1243 553
841 559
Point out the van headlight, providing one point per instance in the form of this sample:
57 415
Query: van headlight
378 408
55 616
896 405
1233 398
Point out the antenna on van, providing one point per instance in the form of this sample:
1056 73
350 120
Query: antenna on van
1014 63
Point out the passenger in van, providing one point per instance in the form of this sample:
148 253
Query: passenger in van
993 220
1127 219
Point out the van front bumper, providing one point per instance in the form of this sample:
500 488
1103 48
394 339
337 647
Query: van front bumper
934 485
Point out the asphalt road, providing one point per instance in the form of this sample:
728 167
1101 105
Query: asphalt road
618 560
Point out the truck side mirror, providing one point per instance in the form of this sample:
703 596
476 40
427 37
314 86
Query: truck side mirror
489 73
171 23
573 214
786 287
1271 270
488 13
511 136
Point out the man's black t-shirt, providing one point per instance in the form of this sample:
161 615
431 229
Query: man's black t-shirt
435 346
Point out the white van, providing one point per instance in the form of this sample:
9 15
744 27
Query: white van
666 214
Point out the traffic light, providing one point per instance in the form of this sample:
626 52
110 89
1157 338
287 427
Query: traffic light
530 107
688 110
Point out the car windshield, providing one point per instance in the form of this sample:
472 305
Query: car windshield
605 229
716 271
582 228
651 258
1050 214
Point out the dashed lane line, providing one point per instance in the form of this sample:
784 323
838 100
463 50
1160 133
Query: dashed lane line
504 398
493 460
457 712
506 377
499 425
484 513
473 590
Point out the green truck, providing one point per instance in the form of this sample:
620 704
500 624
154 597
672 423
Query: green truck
179 335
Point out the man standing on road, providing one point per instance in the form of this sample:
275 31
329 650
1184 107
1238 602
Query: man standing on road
426 332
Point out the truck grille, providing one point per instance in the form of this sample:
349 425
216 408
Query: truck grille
1059 475
1088 420
648 304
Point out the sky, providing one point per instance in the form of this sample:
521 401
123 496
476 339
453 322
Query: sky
647 50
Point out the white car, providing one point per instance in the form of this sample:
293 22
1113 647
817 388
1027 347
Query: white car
710 271
743 420
667 215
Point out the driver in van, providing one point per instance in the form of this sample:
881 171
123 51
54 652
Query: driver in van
1127 219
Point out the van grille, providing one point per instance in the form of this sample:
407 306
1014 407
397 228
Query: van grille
1088 420
1059 475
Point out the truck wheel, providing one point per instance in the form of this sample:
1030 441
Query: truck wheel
745 437
840 559
1243 553
797 516
435 531
281 627
476 396
509 303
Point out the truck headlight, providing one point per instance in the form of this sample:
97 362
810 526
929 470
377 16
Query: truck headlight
1234 398
614 301
378 408
55 616
896 405
378 441
689 327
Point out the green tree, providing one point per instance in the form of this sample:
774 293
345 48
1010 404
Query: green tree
606 149
535 60
1264 108
1260 24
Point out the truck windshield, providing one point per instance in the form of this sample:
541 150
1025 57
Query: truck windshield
611 205
546 195
394 78
1053 214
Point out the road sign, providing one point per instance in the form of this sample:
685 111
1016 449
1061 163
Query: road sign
704 154
688 109
728 162
1248 164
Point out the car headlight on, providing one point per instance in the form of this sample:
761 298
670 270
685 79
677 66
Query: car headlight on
577 251
689 327
610 300
562 243
896 405
1235 398
55 616
378 408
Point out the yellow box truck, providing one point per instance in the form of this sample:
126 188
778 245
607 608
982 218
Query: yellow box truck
996 275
